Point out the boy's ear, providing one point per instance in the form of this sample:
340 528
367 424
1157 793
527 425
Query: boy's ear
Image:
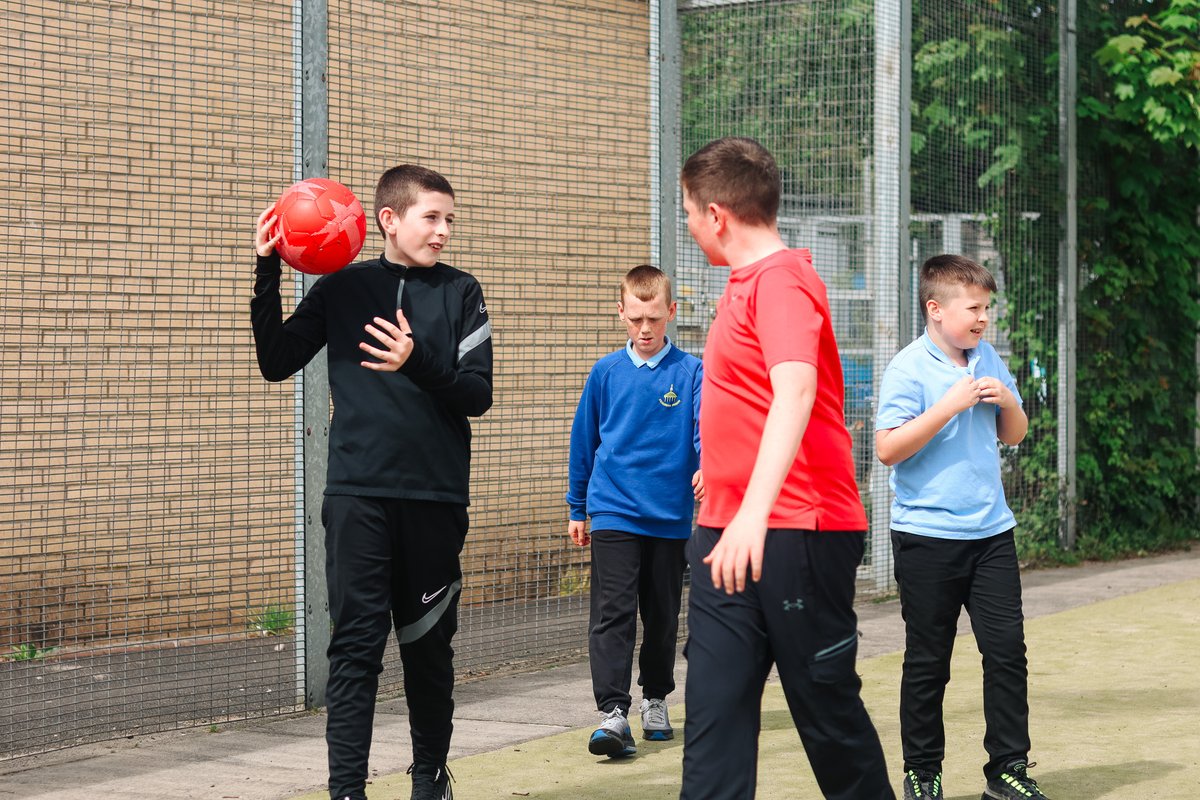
621 310
671 311
933 310
387 216
719 216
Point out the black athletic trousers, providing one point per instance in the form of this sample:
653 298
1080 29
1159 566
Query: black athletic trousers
800 617
390 564
937 579
632 573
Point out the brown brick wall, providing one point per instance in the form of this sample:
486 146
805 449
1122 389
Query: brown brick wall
145 475
146 486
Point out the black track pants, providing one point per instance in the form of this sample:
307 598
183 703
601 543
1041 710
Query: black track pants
390 564
799 617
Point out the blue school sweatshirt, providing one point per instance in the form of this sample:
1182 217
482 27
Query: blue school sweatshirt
635 444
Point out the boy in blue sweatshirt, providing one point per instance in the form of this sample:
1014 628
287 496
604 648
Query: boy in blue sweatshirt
635 459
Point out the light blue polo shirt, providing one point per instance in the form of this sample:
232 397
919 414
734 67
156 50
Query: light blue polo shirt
951 487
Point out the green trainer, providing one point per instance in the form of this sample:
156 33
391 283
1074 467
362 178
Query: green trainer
1013 783
921 784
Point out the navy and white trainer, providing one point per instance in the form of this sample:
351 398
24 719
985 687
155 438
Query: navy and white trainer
656 725
613 738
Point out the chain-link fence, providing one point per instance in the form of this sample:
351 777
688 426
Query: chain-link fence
539 113
150 564
146 509
152 520
986 182
801 78
843 93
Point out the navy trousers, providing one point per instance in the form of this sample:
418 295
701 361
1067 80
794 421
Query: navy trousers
632 573
799 617
937 579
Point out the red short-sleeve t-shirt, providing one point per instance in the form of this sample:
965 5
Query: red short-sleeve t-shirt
773 311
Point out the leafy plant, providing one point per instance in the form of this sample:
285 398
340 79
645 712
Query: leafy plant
274 620
808 113
574 581
1154 73
29 652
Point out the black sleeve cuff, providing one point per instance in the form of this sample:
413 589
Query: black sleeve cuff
414 366
268 265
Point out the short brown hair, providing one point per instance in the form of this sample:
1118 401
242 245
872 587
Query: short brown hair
737 173
646 282
398 187
940 273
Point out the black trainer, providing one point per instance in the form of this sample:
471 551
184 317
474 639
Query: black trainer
921 784
431 782
1013 783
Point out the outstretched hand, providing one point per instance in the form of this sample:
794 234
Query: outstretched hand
396 341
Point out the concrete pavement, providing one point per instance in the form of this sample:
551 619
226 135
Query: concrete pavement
276 759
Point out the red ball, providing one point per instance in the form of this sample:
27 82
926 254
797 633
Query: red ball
323 226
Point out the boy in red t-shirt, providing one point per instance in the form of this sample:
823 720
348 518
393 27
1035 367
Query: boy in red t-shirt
781 500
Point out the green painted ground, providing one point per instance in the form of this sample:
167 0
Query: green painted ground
1115 713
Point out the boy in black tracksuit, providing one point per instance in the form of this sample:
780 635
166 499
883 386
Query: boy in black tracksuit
410 358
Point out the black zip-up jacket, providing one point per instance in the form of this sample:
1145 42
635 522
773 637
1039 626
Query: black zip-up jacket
398 434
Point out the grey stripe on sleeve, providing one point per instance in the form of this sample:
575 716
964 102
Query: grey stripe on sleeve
478 337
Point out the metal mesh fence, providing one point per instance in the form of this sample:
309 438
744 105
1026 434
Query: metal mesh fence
819 84
151 531
151 478
985 183
538 113
801 78
146 530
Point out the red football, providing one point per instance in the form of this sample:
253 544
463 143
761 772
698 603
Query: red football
323 225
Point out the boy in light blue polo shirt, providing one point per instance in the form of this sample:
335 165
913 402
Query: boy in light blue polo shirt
635 471
945 402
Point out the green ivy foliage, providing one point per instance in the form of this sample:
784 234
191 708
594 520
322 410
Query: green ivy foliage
1139 253
985 140
810 115
985 99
